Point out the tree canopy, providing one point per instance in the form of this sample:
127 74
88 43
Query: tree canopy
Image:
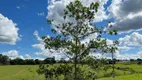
78 24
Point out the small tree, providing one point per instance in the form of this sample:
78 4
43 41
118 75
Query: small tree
71 33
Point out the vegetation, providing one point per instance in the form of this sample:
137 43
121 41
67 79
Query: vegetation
101 69
81 64
28 72
5 60
69 37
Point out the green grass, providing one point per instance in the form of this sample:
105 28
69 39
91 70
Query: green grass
125 77
28 72
25 72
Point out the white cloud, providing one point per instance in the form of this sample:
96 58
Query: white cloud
8 31
117 55
37 35
124 48
55 10
46 52
41 14
127 14
121 56
12 54
27 56
128 56
90 37
127 18
58 55
134 39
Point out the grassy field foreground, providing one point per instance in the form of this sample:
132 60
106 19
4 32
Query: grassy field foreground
28 72
20 72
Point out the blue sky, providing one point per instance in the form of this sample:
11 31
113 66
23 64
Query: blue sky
31 15
27 19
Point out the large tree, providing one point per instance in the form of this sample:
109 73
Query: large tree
78 24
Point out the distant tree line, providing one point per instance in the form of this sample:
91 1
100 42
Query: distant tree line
19 61
5 60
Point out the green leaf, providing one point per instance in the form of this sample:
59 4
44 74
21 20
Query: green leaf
110 32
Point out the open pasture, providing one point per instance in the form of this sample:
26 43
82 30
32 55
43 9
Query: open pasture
28 72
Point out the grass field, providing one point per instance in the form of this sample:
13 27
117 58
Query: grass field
20 72
28 72
123 75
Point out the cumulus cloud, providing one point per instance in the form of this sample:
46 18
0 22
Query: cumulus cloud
127 43
134 39
127 17
118 55
8 31
12 54
46 52
124 48
90 37
128 56
56 7
56 12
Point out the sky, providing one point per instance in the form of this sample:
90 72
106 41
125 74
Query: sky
23 23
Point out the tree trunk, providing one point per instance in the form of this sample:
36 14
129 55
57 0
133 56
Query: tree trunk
75 68
75 63
113 72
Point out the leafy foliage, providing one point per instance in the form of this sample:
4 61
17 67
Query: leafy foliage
4 59
77 25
